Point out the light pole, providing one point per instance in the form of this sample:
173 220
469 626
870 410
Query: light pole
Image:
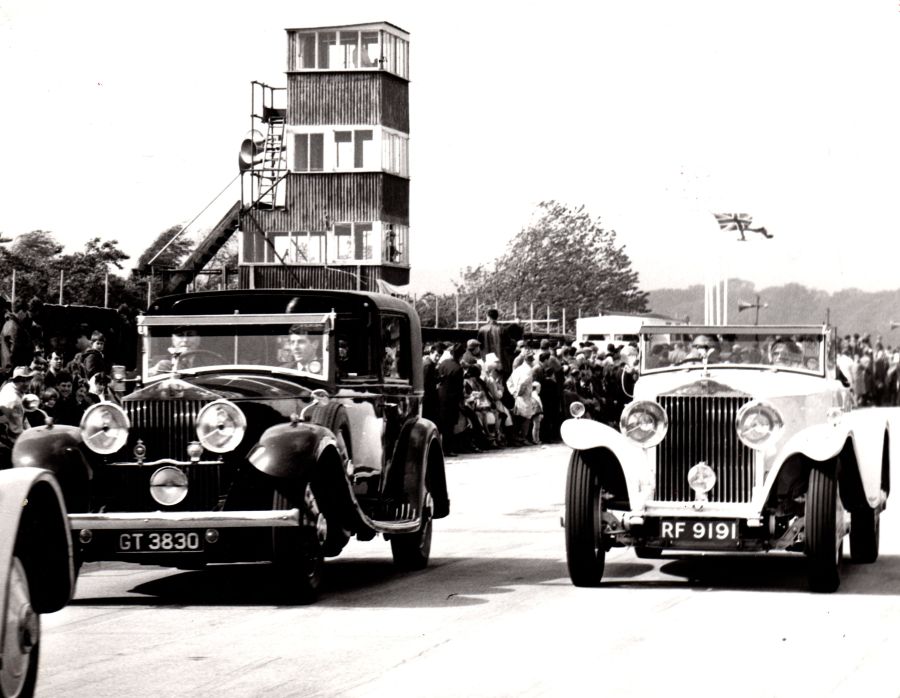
743 305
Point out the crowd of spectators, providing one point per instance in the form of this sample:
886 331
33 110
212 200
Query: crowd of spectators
871 369
66 371
498 390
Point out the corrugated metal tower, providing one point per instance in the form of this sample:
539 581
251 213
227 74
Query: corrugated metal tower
325 183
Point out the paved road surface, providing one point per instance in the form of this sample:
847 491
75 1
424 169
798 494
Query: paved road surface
494 615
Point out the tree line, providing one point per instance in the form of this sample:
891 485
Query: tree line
563 258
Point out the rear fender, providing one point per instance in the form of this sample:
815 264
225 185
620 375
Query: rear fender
35 528
418 456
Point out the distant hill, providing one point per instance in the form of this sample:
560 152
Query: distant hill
850 310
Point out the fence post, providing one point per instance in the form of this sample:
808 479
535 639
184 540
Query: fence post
436 302
531 318
457 311
61 282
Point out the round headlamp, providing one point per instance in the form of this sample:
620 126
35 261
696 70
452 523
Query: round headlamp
104 427
757 423
221 426
168 485
644 422
577 409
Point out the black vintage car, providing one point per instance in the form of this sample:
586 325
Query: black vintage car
268 425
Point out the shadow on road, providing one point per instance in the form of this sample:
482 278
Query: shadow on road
357 583
763 572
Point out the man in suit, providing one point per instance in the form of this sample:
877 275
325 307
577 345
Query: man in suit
304 349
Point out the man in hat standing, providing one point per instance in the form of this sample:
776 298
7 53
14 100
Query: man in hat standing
12 412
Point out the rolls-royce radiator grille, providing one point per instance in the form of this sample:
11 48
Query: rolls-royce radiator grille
165 427
702 428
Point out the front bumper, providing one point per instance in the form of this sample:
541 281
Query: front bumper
185 520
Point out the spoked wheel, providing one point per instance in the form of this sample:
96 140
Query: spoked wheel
298 552
824 531
21 626
585 552
865 535
411 551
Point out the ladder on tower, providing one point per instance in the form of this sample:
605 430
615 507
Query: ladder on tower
274 160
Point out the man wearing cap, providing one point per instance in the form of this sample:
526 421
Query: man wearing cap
12 412
472 354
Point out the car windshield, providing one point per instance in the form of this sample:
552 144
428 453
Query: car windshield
789 350
295 343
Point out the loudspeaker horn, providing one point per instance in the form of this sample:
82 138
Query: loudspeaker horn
894 325
744 305
253 148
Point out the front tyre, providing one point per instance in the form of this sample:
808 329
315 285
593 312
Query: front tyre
585 552
21 632
298 555
824 530
865 535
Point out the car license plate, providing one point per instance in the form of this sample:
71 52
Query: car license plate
699 530
159 541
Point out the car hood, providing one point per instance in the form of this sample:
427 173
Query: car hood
764 384
232 386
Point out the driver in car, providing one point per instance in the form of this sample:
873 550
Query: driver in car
185 349
786 353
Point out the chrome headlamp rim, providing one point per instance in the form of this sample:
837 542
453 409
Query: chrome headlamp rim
109 435
226 441
652 426
757 423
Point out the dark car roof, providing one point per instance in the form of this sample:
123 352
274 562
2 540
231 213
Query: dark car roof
264 301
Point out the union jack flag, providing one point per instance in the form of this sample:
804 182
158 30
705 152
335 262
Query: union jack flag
741 222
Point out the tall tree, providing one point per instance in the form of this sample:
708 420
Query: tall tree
171 247
563 259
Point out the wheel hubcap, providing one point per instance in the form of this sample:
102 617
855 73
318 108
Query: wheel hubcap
21 632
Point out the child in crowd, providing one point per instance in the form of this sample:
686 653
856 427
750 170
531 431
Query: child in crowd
538 413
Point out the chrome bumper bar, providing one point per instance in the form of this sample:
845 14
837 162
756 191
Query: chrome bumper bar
185 519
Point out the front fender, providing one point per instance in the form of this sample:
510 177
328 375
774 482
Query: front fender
587 434
34 527
61 450
290 450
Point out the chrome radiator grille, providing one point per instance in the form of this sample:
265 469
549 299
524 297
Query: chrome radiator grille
165 426
701 428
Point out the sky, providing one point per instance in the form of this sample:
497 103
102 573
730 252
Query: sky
123 119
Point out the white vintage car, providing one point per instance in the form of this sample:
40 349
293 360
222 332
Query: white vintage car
737 439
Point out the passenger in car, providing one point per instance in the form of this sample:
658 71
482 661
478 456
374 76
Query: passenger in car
304 348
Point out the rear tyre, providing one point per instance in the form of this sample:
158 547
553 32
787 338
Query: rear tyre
411 551
824 531
298 556
21 632
865 535
585 552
